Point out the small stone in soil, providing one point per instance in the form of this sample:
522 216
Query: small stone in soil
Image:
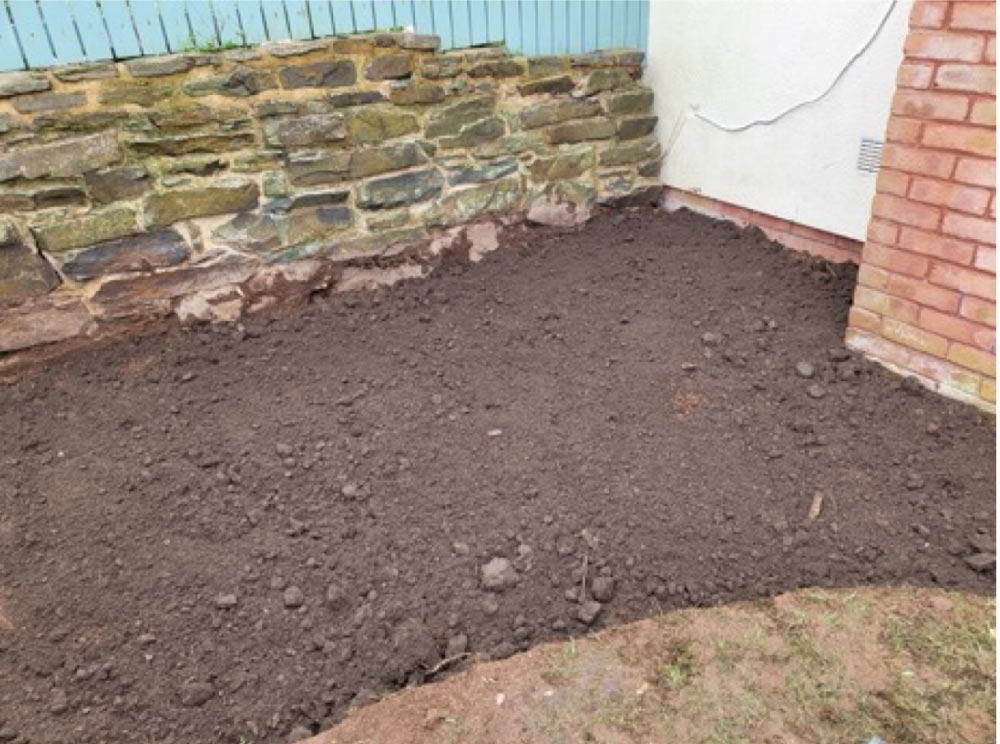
983 543
711 339
603 588
293 597
457 645
981 561
196 694
226 601
299 733
334 596
498 575
587 612
805 369
816 391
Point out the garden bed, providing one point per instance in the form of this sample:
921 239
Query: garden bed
235 532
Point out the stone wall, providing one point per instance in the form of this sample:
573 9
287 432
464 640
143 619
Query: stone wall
201 184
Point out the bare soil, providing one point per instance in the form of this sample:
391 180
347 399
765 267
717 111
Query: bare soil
817 665
234 534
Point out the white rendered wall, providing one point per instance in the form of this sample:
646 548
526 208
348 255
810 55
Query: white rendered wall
742 60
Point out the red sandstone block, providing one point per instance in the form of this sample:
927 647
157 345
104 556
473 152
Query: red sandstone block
975 359
917 160
986 259
939 246
921 291
962 137
908 212
872 276
979 310
866 320
967 281
924 104
977 172
975 16
944 46
970 199
979 229
928 14
957 329
971 78
913 337
895 261
984 112
881 231
904 131
915 75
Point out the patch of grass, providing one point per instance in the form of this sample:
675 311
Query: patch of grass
675 671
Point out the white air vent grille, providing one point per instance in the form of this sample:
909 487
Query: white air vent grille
870 155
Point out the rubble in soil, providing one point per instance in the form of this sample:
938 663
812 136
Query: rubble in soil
236 533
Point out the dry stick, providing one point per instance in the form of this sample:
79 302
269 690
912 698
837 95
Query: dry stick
583 581
446 662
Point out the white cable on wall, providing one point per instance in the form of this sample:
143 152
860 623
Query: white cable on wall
693 109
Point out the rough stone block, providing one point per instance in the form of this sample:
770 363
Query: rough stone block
140 252
307 225
335 73
310 168
23 273
172 64
375 160
389 67
581 131
62 159
307 199
449 120
43 321
601 80
500 68
556 84
135 92
635 127
219 197
83 230
283 49
512 144
481 173
563 164
248 231
563 204
627 153
416 92
457 207
475 133
396 191
553 112
438 67
85 71
306 131
634 101
19 83
40 102
59 196
418 42
239 83
354 98
375 124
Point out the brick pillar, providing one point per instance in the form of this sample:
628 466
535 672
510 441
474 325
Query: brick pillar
925 303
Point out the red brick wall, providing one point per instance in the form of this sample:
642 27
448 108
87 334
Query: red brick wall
926 297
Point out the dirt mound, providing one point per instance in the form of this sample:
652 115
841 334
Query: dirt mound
235 532
817 665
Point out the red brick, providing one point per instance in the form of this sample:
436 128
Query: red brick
975 359
971 78
988 389
882 232
962 137
975 16
924 293
939 246
986 259
984 112
944 46
886 305
957 329
897 209
970 199
872 276
896 261
974 228
915 75
916 160
928 14
905 131
968 281
864 319
977 172
924 104
915 338
990 55
979 310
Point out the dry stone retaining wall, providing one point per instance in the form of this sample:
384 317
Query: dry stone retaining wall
201 183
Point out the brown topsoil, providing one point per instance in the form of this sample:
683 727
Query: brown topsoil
233 534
